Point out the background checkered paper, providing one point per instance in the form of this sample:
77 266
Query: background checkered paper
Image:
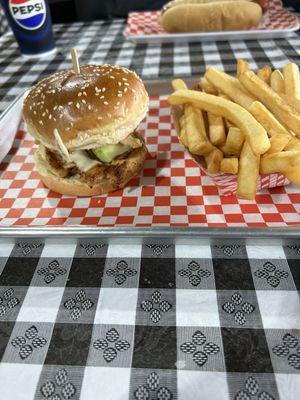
152 321
171 190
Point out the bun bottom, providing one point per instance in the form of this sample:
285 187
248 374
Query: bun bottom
112 180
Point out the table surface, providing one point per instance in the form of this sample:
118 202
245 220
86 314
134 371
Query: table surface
152 321
103 42
149 321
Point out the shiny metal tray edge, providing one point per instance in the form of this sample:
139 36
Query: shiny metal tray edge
276 236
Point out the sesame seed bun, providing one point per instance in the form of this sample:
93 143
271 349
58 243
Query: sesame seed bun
101 105
111 177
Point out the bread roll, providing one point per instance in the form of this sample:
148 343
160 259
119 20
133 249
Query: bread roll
210 17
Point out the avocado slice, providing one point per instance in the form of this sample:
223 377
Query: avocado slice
107 153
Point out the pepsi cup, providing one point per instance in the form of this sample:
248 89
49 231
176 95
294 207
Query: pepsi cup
30 21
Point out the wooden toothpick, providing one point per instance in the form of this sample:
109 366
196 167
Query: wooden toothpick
75 60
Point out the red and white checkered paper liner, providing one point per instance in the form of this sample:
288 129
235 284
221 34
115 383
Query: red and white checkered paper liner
227 184
171 191
146 22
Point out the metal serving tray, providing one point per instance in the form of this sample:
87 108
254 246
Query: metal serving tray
276 236
213 36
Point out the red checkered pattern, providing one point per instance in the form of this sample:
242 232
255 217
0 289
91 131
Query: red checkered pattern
227 184
171 191
146 23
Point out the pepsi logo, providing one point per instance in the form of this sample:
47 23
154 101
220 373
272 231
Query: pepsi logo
29 14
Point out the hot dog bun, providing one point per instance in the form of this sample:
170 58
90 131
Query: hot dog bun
209 16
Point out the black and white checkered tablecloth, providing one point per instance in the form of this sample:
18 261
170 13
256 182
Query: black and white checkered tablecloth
103 42
149 322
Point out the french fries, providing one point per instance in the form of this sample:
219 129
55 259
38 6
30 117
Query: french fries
207 87
279 162
234 141
213 160
195 131
229 86
253 131
178 84
277 82
241 67
216 130
293 175
248 173
267 119
278 143
293 144
229 165
264 73
292 80
286 115
243 126
183 137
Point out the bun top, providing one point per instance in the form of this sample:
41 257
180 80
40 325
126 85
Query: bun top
99 106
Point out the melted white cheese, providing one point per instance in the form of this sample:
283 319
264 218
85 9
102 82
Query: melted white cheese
82 161
60 143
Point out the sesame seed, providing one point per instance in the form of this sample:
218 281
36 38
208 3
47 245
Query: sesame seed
120 83
84 102
77 105
34 112
79 94
124 79
43 114
41 122
125 90
50 116
89 107
70 102
126 84
105 103
102 97
55 107
84 93
119 94
103 89
99 117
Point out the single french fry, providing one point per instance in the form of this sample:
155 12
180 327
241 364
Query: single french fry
241 67
195 131
178 84
293 175
285 114
182 136
234 141
228 85
207 87
267 119
265 73
213 160
228 124
248 173
293 144
216 130
229 165
292 80
279 162
277 82
292 102
253 130
278 143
